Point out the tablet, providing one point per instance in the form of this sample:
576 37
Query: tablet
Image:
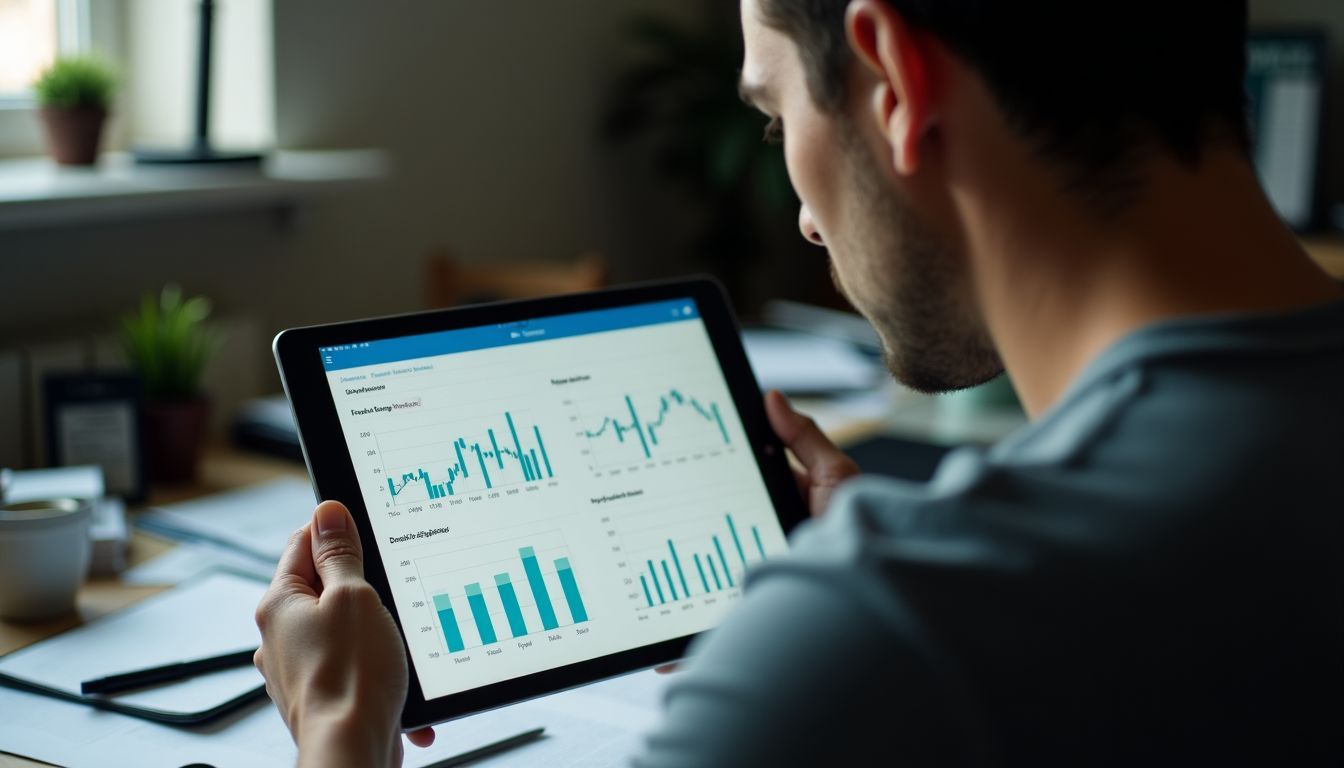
548 492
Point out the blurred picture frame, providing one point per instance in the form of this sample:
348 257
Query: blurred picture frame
1286 87
96 419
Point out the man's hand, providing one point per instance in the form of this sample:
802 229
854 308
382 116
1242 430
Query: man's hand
330 652
820 466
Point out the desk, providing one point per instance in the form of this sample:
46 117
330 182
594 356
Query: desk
225 468
222 469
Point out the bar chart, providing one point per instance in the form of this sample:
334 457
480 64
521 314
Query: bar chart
649 426
491 460
719 558
487 608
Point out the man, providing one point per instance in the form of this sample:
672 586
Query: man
1148 573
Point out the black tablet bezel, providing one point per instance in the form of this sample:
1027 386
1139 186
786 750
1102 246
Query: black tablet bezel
332 470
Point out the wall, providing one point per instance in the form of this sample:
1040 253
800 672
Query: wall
490 110
493 112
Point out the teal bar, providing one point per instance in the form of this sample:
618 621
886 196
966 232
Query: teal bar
485 473
703 581
518 447
671 587
722 429
481 614
724 560
645 582
536 468
539 591
512 610
494 446
546 459
736 541
714 572
571 588
461 462
685 590
448 621
756 534
634 417
654 574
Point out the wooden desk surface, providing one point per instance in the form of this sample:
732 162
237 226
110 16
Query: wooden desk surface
1328 251
222 469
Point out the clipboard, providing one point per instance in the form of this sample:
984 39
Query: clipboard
206 616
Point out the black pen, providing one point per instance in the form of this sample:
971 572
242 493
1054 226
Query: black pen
181 670
503 745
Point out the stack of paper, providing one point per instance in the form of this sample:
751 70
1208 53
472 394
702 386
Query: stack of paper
801 364
242 530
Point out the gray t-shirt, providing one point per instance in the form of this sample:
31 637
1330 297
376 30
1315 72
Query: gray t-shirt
1149 574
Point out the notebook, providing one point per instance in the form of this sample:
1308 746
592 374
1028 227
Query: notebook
208 616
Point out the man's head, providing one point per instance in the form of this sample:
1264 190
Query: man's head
879 99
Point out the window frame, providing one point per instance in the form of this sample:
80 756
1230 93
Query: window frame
81 26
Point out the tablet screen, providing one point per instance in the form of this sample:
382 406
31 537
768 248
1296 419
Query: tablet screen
553 490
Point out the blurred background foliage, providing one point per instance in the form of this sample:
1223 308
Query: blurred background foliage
678 101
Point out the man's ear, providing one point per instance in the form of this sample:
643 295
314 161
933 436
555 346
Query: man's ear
899 60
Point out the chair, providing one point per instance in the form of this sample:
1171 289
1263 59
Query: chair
450 282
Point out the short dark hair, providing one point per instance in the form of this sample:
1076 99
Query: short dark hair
1091 84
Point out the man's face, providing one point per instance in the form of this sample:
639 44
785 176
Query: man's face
886 257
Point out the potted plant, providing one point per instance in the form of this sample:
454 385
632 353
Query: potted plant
74 94
168 343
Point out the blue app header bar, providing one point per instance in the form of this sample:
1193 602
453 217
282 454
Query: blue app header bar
506 334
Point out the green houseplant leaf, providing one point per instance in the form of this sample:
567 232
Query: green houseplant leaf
168 342
76 81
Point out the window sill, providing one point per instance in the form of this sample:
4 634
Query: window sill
36 193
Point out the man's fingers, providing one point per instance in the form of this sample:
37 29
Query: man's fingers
825 463
337 554
423 737
295 572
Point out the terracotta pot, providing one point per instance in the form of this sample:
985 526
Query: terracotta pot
174 437
74 133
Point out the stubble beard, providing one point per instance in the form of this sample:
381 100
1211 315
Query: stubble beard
913 287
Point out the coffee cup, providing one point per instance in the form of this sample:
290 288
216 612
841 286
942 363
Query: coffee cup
44 556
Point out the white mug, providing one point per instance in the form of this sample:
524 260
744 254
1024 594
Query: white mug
44 556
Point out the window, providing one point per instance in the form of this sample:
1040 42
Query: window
32 32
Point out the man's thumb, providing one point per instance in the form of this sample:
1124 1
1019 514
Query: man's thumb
337 553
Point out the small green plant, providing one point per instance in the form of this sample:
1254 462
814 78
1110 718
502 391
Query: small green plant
168 342
76 81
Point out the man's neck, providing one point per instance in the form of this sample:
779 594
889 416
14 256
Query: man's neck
1057 288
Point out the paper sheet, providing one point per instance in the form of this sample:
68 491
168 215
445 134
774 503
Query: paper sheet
207 617
800 363
192 558
597 725
257 520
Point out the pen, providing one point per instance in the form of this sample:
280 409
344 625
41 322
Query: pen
181 670
503 745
